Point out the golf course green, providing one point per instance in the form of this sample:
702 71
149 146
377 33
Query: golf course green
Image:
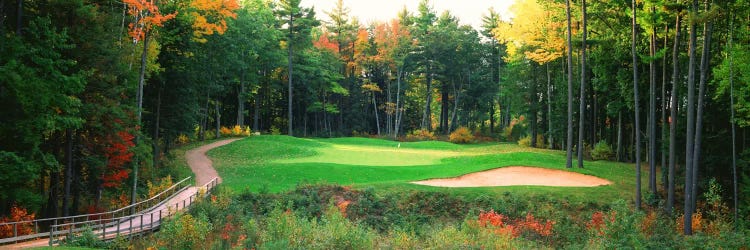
271 163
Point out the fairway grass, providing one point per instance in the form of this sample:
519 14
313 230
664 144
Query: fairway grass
280 163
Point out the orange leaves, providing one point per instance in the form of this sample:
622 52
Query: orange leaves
147 16
17 214
210 17
599 220
501 224
324 43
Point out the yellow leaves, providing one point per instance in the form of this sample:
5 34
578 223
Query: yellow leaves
370 87
533 32
210 17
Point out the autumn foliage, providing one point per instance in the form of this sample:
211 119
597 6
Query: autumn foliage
147 16
118 155
324 43
17 214
210 17
502 225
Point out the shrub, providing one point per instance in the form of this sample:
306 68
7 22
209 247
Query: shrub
275 131
164 184
525 141
85 239
235 131
17 214
185 232
182 139
225 131
210 134
461 135
420 135
602 151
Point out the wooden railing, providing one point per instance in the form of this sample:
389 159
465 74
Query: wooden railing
130 225
43 227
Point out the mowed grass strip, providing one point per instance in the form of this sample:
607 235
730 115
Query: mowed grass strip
280 163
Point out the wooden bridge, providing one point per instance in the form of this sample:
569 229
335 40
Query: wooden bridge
136 219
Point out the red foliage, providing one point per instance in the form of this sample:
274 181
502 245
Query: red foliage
500 224
324 43
531 224
17 214
598 222
118 154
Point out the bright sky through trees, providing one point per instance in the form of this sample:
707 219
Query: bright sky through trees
468 11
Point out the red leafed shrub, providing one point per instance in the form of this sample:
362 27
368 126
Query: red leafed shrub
118 154
598 222
17 214
501 224
491 218
531 224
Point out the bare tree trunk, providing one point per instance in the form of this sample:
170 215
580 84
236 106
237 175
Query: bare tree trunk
375 108
241 103
533 107
619 136
731 107
218 118
652 112
705 57
690 135
19 18
139 97
582 103
673 116
454 121
398 100
289 49
664 129
637 133
427 115
256 111
388 110
68 170
569 147
157 118
549 109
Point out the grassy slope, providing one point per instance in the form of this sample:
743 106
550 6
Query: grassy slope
279 163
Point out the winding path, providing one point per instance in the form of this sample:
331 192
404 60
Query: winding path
199 163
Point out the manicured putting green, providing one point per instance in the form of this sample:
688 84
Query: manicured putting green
374 155
280 163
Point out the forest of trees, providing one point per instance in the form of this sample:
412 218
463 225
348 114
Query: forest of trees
95 93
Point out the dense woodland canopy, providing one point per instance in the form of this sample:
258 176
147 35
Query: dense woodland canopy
95 93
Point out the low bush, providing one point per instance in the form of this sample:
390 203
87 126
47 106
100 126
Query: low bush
526 141
461 135
335 217
185 232
274 130
182 139
421 135
602 151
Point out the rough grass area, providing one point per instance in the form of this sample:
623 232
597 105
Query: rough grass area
280 163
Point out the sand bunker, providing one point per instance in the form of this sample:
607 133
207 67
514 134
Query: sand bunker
517 176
